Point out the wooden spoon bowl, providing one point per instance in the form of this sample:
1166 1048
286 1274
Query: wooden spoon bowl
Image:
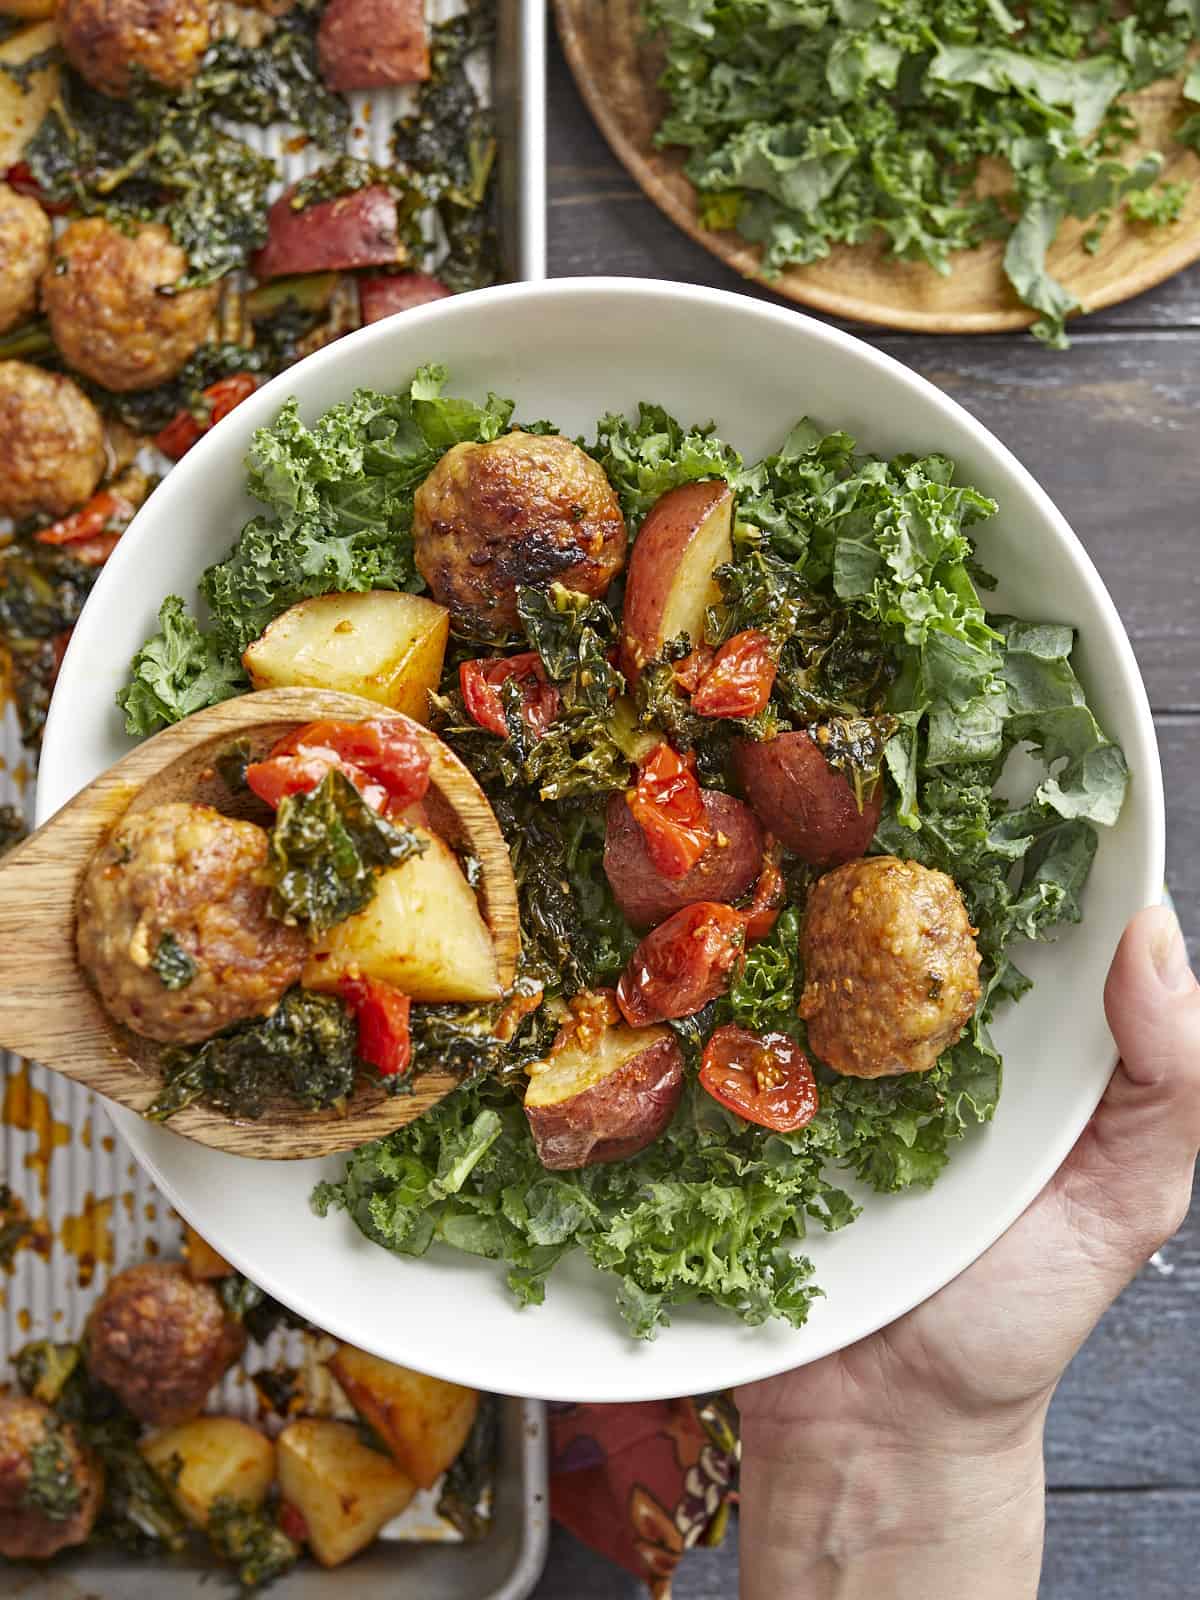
49 1011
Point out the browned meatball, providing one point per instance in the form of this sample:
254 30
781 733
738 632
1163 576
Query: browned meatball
51 442
892 972
24 252
160 1341
523 509
182 881
109 314
107 40
50 1486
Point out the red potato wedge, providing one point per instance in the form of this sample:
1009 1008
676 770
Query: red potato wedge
352 230
383 296
670 580
726 869
807 805
368 44
603 1098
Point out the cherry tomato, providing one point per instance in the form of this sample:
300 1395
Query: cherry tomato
96 526
668 806
381 757
181 433
20 177
382 1010
689 673
740 679
481 681
770 896
682 965
291 1521
763 1077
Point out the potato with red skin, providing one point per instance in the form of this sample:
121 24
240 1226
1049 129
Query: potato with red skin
605 1091
389 292
806 804
351 230
669 586
369 44
726 869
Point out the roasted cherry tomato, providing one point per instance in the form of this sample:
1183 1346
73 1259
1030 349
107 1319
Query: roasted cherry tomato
668 806
93 531
763 1077
690 671
740 679
481 682
184 428
382 1011
291 1521
20 177
770 896
683 964
381 756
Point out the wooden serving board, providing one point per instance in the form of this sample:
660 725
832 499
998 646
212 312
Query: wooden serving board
617 66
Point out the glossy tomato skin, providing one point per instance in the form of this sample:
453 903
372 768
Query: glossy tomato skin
682 965
764 1078
274 779
381 756
739 680
382 1010
667 804
181 433
481 681
770 895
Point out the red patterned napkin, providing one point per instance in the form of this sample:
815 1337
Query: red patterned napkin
643 1483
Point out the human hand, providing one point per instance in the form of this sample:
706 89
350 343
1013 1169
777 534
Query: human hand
885 1466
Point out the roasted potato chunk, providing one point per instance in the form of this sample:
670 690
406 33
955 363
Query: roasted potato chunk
423 1421
726 869
344 1491
806 804
24 102
218 1457
203 1262
383 645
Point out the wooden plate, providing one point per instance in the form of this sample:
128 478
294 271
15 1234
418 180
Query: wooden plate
616 66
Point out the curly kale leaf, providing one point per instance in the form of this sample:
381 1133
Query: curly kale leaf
275 80
327 849
178 671
765 987
305 1051
175 968
645 457
53 1487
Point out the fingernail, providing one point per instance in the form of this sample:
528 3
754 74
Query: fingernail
1169 954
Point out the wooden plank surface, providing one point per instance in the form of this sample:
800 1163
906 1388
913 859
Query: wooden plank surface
1111 430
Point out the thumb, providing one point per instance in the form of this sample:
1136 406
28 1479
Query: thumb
1130 1176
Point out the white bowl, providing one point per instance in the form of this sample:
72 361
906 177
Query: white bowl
571 350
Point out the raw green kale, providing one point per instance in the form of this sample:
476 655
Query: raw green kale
155 157
327 849
469 1477
175 968
644 458
811 125
251 1541
304 1052
179 670
53 1487
12 831
765 988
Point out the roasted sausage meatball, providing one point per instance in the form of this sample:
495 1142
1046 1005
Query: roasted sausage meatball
106 41
160 1341
104 293
24 252
522 509
183 879
51 442
892 972
30 1531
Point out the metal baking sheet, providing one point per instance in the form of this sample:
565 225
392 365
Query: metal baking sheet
93 1208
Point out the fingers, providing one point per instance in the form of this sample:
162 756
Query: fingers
1153 1002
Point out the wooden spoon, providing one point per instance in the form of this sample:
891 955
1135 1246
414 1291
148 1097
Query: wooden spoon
48 1010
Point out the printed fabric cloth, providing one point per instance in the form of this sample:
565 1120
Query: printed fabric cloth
641 1484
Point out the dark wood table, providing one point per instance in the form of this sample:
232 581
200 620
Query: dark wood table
1112 430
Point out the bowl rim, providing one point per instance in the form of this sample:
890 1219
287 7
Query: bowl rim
187 478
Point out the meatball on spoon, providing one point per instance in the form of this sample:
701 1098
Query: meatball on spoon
50 1011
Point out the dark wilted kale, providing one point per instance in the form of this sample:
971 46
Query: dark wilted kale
463 1039
175 968
155 158
251 1541
449 143
231 766
275 80
327 849
31 341
148 410
285 311
259 1314
42 590
305 1051
53 1486
469 1476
